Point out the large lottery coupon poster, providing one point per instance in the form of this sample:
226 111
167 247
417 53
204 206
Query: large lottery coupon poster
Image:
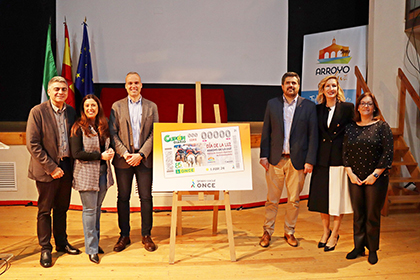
201 157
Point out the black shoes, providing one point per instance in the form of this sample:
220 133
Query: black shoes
68 249
322 244
94 258
328 248
373 257
100 251
355 253
46 259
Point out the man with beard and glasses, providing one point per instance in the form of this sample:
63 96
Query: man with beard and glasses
289 144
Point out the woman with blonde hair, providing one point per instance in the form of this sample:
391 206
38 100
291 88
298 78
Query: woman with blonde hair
328 192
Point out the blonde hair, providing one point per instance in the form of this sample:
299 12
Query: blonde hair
321 97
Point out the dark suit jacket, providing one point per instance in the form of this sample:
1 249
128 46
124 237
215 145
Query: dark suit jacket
330 149
42 140
122 133
303 133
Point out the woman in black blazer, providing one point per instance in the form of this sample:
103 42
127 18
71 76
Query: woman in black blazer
328 192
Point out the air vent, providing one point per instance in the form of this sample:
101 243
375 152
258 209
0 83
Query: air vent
8 176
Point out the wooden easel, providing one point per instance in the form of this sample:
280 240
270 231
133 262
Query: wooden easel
177 202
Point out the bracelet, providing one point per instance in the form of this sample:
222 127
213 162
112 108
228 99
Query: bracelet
375 175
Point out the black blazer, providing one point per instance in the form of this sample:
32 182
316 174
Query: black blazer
330 149
303 133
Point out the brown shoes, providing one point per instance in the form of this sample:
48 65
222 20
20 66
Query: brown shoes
265 239
291 240
122 243
149 245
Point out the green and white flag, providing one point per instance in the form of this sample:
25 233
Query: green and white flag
49 67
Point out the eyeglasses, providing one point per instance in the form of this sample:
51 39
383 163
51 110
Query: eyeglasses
365 104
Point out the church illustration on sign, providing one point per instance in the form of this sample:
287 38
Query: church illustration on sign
334 54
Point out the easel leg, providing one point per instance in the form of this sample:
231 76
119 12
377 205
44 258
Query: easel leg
173 228
215 213
179 219
229 226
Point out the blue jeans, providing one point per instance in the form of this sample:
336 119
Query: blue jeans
92 202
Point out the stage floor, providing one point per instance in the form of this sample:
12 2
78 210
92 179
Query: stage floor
199 255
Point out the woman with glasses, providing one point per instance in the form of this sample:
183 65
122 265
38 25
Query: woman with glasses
367 154
329 194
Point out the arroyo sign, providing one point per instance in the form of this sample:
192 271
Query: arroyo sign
333 53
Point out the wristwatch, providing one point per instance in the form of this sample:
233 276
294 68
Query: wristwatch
375 175
141 154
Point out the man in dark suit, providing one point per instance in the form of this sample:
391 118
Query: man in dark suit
289 144
47 132
131 129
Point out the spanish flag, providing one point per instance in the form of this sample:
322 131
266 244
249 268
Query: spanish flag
66 72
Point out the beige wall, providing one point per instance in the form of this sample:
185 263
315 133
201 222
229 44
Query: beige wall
26 189
386 53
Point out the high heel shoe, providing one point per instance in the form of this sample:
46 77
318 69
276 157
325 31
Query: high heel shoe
322 244
355 253
328 248
94 258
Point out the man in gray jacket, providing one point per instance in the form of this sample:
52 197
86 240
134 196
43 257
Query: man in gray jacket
131 128
47 134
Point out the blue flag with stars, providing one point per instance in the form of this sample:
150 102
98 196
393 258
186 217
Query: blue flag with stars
84 79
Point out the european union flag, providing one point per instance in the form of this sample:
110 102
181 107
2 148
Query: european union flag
84 79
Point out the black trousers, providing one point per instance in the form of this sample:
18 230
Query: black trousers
367 202
54 198
144 187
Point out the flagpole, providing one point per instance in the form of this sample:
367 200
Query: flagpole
84 78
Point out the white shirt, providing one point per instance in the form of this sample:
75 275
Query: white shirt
135 111
330 115
288 113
